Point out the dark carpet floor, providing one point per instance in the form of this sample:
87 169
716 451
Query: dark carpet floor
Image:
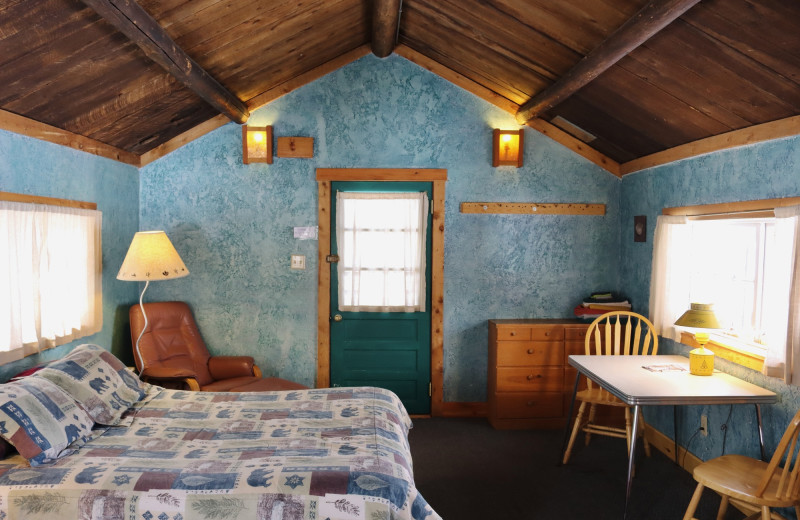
467 470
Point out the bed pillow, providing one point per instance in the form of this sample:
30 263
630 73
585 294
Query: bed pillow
41 420
97 380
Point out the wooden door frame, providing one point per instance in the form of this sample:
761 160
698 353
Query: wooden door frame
437 177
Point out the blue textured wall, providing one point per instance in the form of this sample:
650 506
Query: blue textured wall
767 170
35 167
232 223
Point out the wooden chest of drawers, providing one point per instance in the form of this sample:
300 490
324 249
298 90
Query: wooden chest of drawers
530 382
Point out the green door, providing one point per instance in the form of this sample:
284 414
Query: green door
385 349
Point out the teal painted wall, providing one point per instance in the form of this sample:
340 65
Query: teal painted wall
767 170
232 223
35 167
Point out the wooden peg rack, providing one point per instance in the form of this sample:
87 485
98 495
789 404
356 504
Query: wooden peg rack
532 208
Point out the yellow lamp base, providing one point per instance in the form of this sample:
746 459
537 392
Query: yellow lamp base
701 362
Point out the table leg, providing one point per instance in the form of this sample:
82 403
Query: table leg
567 429
675 429
761 433
631 455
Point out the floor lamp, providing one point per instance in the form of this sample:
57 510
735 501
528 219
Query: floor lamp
151 256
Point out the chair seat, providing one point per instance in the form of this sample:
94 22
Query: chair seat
252 384
738 477
598 395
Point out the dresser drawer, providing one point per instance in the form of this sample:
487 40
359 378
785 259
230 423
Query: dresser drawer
529 353
576 348
547 332
527 379
534 404
513 332
575 333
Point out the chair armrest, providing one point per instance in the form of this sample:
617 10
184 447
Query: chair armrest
166 373
227 367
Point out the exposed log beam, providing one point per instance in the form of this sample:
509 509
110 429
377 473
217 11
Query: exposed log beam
653 17
133 21
385 23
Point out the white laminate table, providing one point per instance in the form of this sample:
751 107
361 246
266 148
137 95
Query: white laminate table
627 378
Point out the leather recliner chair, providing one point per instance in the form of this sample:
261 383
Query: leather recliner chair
173 352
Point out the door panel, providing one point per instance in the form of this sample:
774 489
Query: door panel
385 349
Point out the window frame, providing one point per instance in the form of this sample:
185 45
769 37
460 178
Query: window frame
746 353
16 353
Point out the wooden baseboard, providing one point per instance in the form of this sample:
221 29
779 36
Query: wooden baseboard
666 445
476 409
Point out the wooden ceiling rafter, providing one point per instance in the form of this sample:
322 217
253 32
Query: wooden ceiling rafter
385 26
653 17
134 22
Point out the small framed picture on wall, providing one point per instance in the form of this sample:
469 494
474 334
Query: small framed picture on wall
640 228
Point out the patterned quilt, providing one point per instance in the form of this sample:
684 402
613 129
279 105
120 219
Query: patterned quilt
339 453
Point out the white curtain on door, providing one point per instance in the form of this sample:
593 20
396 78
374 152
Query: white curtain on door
381 241
50 277
669 279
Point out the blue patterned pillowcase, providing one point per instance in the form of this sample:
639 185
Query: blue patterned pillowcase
41 420
97 380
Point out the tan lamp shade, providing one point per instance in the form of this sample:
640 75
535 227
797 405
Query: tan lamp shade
151 256
699 316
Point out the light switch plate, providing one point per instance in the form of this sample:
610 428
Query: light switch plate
298 261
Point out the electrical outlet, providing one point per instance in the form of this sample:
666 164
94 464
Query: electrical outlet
704 424
298 261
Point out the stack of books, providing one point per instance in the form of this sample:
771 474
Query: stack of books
600 303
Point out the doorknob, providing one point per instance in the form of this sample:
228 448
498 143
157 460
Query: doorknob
337 317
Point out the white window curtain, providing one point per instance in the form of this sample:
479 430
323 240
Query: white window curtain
669 283
381 241
50 277
783 352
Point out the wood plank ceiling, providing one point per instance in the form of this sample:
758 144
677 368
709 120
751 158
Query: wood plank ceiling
720 66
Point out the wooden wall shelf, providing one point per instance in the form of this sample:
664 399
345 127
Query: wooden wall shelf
532 208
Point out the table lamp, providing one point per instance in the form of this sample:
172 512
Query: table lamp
700 316
151 256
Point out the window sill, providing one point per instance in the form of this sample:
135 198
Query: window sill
727 351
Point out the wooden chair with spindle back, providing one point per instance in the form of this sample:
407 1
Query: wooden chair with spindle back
752 485
616 333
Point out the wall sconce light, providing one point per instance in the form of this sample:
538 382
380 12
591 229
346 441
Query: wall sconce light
507 148
256 144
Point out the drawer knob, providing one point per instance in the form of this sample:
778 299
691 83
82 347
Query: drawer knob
530 403
531 377
513 333
530 351
546 333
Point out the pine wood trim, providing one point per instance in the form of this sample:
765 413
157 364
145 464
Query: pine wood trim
437 177
50 201
44 132
437 299
286 87
731 207
754 134
576 145
184 138
474 409
686 459
532 208
382 174
323 285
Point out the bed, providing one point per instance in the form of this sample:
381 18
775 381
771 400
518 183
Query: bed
123 449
